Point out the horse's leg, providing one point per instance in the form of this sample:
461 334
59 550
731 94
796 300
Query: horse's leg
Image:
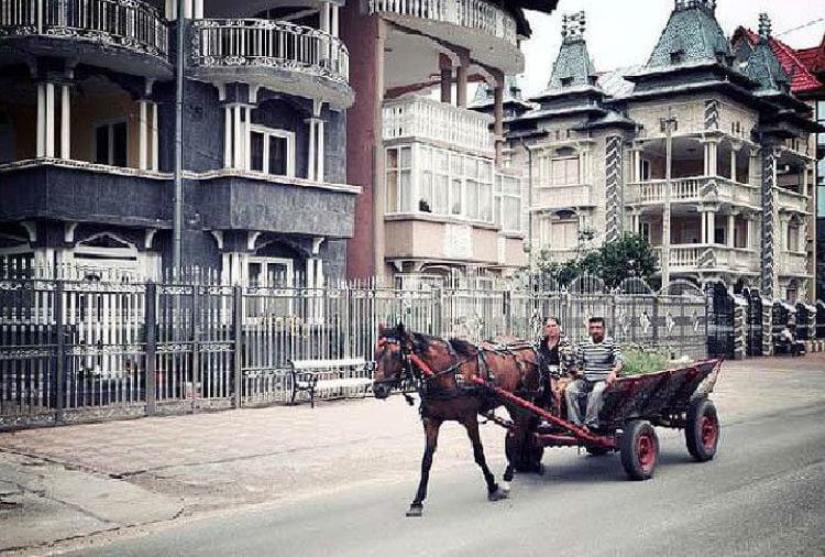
493 491
431 428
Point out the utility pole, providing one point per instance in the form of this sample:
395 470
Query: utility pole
177 219
668 125
529 247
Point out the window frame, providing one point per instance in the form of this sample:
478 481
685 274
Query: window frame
268 132
110 125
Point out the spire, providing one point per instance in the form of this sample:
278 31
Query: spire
573 67
692 35
762 65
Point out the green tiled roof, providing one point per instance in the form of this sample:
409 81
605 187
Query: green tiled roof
692 35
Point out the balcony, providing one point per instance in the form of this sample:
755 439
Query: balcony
694 190
711 257
563 197
436 238
422 119
243 200
85 192
133 34
793 264
791 201
484 29
279 55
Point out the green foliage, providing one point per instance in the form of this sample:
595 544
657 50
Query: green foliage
629 256
638 360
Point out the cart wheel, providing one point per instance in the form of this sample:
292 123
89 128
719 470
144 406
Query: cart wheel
596 451
702 430
523 452
639 448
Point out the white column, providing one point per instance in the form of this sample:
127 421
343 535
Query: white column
712 226
237 160
712 152
41 119
65 124
704 226
321 147
49 119
198 9
143 134
227 137
637 165
319 273
154 142
247 138
311 273
731 230
325 17
334 30
311 158
733 165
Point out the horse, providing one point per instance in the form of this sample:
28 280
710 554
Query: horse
443 372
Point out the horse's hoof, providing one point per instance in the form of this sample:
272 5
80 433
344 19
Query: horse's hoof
539 469
415 511
497 495
505 487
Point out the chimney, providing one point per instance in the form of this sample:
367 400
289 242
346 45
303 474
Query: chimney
573 27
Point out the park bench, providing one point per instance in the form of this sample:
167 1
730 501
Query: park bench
340 377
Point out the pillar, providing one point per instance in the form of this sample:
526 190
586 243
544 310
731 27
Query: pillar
498 113
446 66
311 158
143 134
461 80
41 119
703 217
155 148
227 136
711 226
49 127
733 152
320 139
65 123
334 24
237 157
731 230
247 138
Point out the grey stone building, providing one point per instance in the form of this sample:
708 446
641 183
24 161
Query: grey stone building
703 150
87 120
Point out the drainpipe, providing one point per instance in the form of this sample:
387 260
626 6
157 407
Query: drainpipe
177 219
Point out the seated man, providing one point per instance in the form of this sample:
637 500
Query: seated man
599 361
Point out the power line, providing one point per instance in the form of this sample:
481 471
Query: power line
803 26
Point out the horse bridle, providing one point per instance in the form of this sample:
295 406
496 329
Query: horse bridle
410 370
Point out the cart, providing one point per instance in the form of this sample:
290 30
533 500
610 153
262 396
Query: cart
633 406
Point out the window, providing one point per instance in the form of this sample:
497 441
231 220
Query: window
399 180
566 81
270 272
508 203
646 231
645 170
110 144
793 238
272 151
560 235
564 172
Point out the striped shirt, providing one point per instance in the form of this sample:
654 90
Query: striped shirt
597 360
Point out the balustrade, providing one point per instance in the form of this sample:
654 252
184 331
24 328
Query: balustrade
127 23
791 200
429 119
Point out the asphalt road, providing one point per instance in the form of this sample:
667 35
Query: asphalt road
764 494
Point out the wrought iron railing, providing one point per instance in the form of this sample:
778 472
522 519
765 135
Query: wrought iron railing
266 43
130 24
472 14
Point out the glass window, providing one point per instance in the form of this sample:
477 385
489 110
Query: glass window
564 172
399 179
272 151
111 144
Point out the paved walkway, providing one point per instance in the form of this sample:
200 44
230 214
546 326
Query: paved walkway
86 478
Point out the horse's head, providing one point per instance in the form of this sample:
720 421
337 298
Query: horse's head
391 359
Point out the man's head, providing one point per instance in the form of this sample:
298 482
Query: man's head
552 327
595 328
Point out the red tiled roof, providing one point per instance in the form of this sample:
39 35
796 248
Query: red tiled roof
802 78
813 58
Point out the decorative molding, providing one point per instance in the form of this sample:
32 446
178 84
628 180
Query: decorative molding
31 230
613 187
68 232
218 235
149 237
86 166
316 245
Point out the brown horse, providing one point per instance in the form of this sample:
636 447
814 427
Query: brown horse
441 370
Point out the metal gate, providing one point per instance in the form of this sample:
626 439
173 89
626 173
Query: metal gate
754 322
820 319
720 321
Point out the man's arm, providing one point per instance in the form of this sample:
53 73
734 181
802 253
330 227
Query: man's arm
618 365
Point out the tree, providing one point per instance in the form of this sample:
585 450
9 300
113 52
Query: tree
613 262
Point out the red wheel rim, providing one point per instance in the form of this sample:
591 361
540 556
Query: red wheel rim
710 432
646 449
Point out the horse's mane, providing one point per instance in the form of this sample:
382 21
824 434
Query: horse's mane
463 347
421 342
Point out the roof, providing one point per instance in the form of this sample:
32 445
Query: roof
691 34
798 64
516 9
485 95
614 84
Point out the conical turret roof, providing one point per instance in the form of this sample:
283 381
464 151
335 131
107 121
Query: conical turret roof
692 35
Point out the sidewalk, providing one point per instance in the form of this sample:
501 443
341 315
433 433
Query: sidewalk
72 481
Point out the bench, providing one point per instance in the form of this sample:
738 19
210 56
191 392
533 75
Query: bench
793 348
313 376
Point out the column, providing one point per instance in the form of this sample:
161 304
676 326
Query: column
237 158
247 138
227 136
198 9
733 152
319 137
711 150
637 164
711 226
143 134
498 113
65 123
155 148
461 78
325 23
41 119
446 66
704 222
335 24
731 230
49 119
311 165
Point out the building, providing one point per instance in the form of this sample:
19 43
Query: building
704 150
87 136
438 206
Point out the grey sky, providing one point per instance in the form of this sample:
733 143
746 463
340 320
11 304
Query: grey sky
623 32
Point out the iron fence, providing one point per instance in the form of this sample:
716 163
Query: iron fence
83 348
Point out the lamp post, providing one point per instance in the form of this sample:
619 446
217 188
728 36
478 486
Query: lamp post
529 246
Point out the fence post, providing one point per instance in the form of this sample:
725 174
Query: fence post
655 319
508 312
151 347
237 326
438 312
60 367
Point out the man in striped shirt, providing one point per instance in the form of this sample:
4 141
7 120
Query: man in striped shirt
599 362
